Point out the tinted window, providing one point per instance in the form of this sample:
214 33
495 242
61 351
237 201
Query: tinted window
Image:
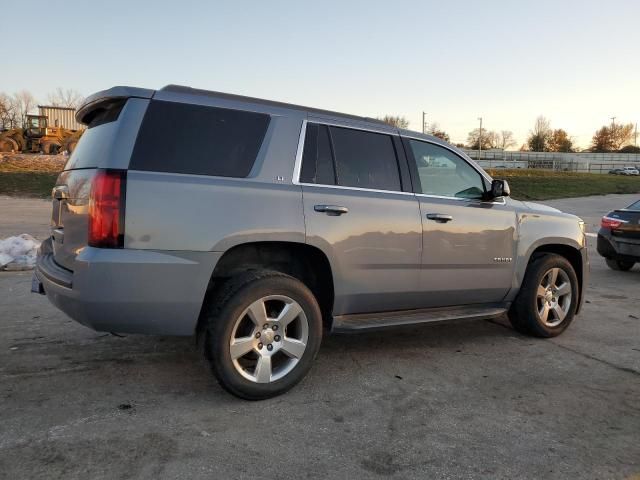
442 172
182 138
97 139
365 159
317 161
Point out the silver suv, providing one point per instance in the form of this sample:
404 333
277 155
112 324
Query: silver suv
259 225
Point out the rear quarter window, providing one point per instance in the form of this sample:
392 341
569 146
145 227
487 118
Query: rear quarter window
200 140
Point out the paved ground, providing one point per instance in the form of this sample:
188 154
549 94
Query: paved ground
20 215
465 400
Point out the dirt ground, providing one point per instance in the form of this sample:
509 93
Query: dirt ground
462 400
32 162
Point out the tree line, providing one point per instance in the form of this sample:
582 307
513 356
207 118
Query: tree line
541 138
15 107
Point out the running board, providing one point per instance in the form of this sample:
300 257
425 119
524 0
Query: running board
369 321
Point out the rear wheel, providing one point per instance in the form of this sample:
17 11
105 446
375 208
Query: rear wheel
619 264
263 331
548 297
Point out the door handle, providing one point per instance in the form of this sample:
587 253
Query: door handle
439 217
333 210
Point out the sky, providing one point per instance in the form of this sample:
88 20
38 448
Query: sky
575 62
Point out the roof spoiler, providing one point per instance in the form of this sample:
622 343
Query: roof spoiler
94 101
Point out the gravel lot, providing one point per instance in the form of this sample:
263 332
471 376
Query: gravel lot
463 400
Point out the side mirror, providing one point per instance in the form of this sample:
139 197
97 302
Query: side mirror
500 188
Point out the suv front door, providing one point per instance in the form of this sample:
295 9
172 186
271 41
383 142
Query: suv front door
468 243
360 212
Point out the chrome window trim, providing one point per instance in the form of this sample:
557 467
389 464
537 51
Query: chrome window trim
497 201
298 163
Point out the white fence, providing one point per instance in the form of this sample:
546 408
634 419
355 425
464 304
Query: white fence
571 162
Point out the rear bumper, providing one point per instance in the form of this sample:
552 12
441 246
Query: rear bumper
129 291
610 247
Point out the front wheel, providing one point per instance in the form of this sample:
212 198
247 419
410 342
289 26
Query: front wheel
264 330
548 297
619 264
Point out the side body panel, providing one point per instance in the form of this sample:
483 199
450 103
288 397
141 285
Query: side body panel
538 226
469 259
374 249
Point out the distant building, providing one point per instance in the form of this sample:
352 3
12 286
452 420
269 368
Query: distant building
64 117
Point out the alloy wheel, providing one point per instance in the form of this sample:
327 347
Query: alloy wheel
269 338
553 298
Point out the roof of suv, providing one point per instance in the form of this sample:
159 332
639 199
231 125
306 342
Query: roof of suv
261 101
93 101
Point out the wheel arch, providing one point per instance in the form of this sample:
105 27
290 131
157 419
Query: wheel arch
564 248
302 261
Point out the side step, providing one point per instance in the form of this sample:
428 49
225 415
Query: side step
370 321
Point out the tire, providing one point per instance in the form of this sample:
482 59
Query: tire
8 144
527 314
50 148
619 265
232 315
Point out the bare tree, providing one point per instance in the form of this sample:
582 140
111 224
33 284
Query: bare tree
8 117
506 139
490 139
395 121
64 98
539 136
23 103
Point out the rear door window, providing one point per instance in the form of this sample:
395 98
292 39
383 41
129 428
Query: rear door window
201 140
365 159
317 161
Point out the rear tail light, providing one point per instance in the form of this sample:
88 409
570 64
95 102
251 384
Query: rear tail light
612 223
106 209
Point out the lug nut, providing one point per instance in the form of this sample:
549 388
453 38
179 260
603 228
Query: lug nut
257 334
269 347
277 338
260 346
275 327
264 327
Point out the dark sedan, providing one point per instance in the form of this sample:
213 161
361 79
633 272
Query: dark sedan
619 237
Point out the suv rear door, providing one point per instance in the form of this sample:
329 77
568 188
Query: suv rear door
468 243
360 211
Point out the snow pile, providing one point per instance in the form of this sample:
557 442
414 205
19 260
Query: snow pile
18 253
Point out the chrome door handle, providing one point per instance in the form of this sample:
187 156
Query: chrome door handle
333 210
439 217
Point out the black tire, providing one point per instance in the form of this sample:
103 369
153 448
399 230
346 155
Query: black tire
619 265
50 148
524 312
224 308
8 144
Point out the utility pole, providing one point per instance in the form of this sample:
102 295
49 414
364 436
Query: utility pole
613 123
480 139
424 122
